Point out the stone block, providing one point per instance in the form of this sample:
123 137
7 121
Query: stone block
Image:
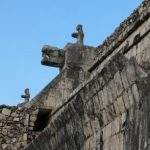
93 142
109 113
4 146
116 107
2 117
6 111
14 114
112 111
24 144
101 99
14 140
30 128
27 116
110 97
33 118
26 122
116 126
121 105
92 87
95 125
113 143
118 84
11 135
135 93
35 112
20 108
4 132
87 144
31 124
96 105
107 131
131 99
123 120
101 81
105 94
124 79
97 85
119 142
126 100
87 130
113 89
18 145
104 116
131 75
16 119
25 137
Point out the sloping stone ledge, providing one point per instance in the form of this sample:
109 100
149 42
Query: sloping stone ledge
95 103
127 27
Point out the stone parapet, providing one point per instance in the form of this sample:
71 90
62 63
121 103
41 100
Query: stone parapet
96 117
126 28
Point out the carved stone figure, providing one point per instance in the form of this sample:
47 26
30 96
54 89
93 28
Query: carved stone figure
79 35
26 96
53 56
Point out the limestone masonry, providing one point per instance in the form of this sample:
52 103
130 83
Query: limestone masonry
99 101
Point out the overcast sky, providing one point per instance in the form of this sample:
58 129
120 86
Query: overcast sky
27 25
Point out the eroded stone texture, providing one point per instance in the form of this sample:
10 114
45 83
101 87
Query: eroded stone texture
97 102
53 56
79 35
81 124
14 133
73 72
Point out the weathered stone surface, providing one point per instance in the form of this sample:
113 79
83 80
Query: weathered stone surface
25 137
2 117
118 84
33 118
16 119
4 146
121 105
6 112
80 130
35 112
126 100
4 132
13 133
53 56
124 79
106 108
135 93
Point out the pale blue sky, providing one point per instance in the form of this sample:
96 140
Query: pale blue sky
27 25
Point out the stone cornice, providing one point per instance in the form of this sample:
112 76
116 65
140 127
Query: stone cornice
126 28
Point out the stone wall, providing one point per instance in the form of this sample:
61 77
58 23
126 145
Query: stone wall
16 127
110 110
96 102
102 114
122 34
